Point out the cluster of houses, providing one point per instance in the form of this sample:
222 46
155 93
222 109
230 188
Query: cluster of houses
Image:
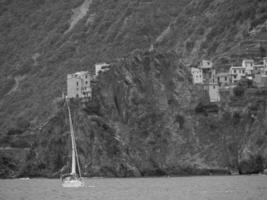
79 84
206 75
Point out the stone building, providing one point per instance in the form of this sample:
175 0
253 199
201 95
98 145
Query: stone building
79 85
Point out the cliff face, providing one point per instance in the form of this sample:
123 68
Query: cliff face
143 118
146 119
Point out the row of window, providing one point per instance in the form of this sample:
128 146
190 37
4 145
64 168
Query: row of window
240 71
220 78
83 88
86 82
84 94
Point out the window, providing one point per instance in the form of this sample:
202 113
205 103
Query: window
77 83
214 87
225 78
86 76
234 71
86 82
77 96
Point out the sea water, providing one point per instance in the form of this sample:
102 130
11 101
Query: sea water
178 188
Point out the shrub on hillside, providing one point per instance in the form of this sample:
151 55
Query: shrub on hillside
14 131
189 45
258 21
239 91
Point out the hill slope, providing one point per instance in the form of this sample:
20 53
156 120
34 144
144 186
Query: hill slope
41 42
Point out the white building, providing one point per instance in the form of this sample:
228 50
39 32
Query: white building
223 79
213 77
214 93
237 73
206 67
101 67
79 85
206 64
197 75
248 65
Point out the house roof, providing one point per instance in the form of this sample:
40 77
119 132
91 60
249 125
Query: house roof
237 67
81 73
194 69
248 60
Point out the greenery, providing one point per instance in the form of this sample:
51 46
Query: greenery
142 118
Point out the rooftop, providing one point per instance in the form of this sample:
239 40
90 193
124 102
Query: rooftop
238 67
81 73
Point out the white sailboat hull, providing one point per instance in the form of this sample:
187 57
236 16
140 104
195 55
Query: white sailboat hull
72 183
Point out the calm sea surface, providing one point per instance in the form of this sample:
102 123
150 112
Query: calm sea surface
178 188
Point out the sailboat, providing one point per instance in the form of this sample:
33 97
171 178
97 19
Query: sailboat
73 179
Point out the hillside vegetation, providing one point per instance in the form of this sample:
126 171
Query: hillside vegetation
147 99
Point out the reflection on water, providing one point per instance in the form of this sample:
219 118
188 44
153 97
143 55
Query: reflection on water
182 188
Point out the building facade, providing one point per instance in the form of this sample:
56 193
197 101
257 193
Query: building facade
79 85
101 67
206 64
197 75
223 79
248 65
214 93
236 73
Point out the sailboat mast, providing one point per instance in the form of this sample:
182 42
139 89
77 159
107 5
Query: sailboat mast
73 153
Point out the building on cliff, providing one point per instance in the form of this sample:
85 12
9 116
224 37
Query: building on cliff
79 85
206 75
212 83
236 73
101 67
213 87
214 94
261 80
223 79
197 75
206 66
261 68
248 64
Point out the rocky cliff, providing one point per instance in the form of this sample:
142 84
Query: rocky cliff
146 117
